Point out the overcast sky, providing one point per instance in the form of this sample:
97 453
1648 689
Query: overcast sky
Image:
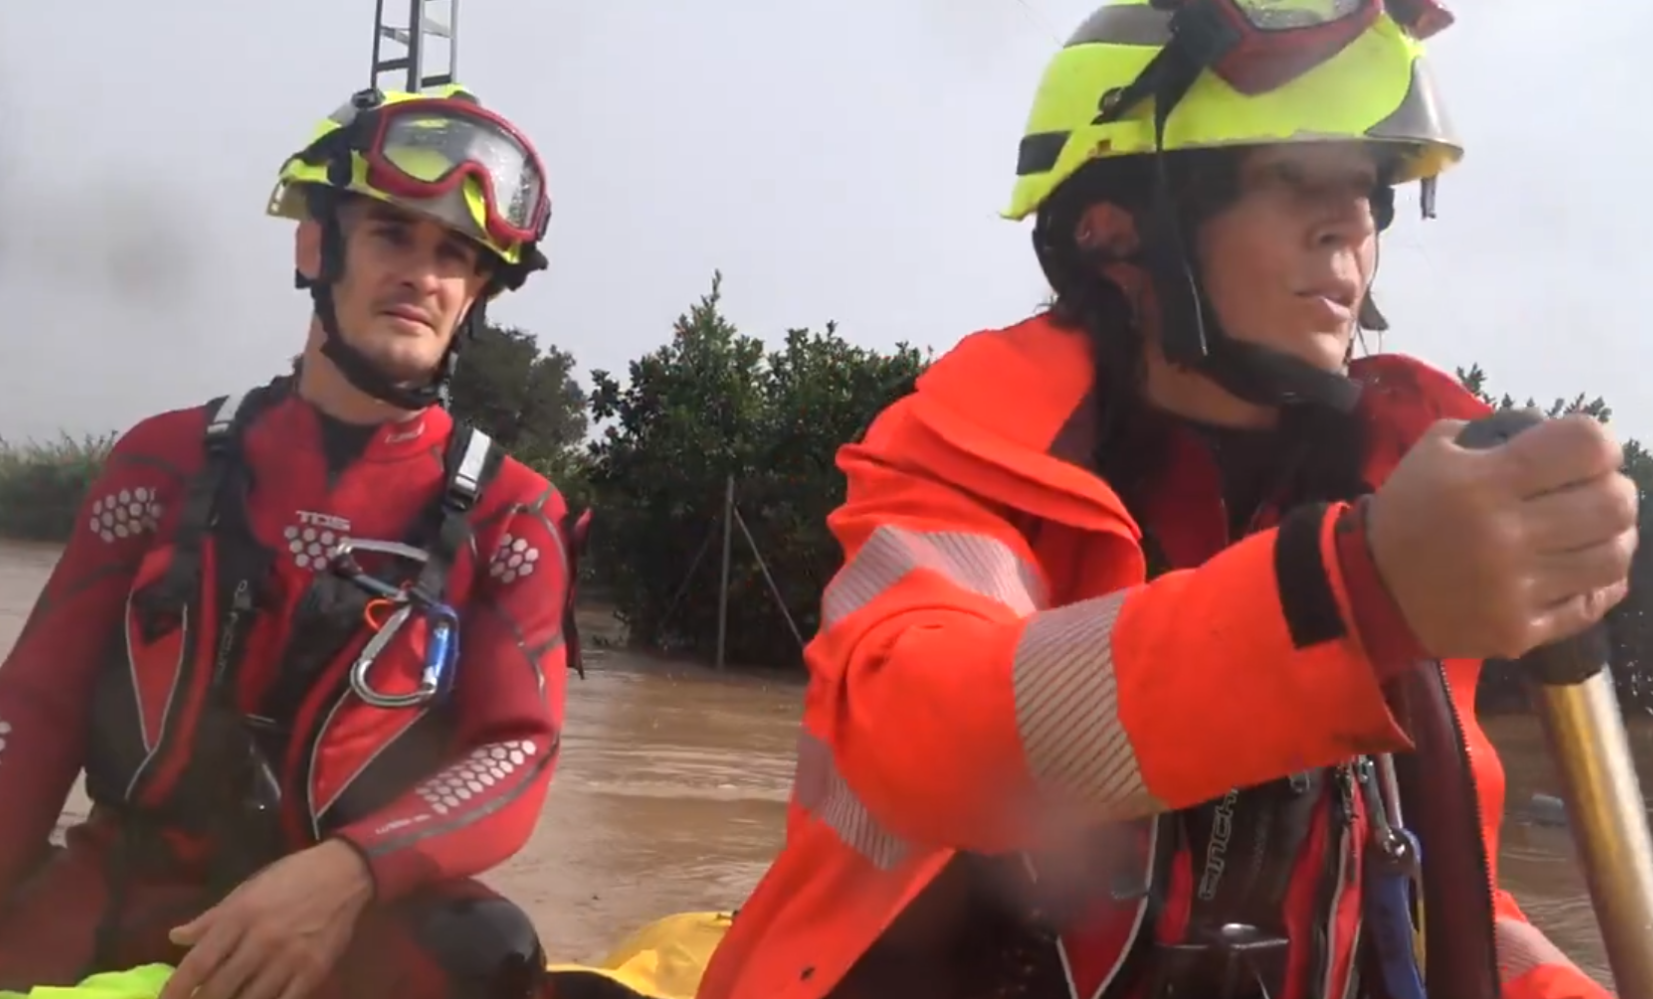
837 159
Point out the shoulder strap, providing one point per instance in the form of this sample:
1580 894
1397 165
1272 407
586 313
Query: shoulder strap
222 413
227 416
470 465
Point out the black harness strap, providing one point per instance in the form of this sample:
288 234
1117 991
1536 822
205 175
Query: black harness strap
221 768
161 604
161 607
470 465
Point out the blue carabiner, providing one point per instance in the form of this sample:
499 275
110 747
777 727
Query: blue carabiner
442 648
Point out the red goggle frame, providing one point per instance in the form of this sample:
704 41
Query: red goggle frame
427 148
1259 45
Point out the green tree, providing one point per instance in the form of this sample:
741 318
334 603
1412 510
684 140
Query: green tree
1475 379
522 394
819 392
712 404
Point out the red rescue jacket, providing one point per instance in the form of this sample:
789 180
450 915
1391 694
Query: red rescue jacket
193 619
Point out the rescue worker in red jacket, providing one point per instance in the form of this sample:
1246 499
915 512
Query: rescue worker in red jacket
1097 707
308 642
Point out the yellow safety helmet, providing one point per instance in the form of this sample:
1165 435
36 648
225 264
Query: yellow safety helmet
442 155
1376 89
423 150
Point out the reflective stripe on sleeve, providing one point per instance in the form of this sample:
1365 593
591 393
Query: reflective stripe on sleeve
1067 708
819 789
975 563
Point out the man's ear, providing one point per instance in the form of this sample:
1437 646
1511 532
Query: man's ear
1105 230
307 240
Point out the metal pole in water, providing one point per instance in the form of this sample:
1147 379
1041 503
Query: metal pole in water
723 579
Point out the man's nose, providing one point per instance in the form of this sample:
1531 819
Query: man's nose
422 271
1344 221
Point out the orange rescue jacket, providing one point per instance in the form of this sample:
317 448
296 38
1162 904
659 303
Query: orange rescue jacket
984 687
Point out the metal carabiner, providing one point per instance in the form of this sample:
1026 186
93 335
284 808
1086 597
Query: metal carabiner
442 648
343 563
397 548
430 682
359 682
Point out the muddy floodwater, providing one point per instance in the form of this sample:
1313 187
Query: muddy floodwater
672 788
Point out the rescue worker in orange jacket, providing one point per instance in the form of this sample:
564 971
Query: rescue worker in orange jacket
1097 707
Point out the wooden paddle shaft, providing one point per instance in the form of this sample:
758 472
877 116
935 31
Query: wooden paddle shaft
1586 736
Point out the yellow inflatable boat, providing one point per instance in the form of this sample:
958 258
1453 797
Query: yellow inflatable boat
663 960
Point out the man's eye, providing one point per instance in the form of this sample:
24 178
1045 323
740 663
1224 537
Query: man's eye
456 253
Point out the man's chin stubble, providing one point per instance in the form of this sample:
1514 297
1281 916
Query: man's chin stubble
403 369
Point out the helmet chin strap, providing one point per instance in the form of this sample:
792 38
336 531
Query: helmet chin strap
1191 335
358 369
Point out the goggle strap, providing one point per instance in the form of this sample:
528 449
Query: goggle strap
1167 79
334 150
1204 36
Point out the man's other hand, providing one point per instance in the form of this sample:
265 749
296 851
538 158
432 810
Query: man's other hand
279 934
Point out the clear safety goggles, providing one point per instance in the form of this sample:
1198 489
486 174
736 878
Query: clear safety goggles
426 149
